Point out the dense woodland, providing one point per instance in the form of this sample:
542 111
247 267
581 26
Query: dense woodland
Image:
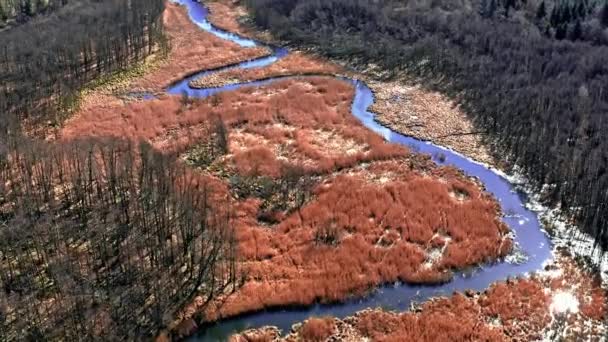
532 74
20 11
106 240
45 62
100 239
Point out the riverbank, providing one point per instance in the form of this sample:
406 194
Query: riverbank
402 104
191 49
316 194
562 302
357 205
430 106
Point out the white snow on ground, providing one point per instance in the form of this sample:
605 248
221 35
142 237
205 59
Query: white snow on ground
581 244
564 302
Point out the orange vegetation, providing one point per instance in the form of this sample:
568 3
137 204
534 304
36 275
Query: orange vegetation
192 50
444 319
519 307
515 310
317 329
376 212
296 63
383 207
392 215
266 334
223 14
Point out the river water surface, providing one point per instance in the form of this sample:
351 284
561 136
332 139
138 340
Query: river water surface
529 237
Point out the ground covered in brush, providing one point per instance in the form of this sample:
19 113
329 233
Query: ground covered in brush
192 50
530 74
408 108
293 64
322 208
560 303
317 196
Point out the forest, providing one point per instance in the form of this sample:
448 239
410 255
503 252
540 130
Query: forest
106 238
99 237
109 238
530 74
16 12
45 62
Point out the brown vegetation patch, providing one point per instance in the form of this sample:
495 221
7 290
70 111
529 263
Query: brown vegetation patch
192 50
331 144
514 310
317 329
353 231
266 334
427 115
296 63
225 14
519 307
263 149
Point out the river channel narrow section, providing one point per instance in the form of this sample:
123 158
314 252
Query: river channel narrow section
530 239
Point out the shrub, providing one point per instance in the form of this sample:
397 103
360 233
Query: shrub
317 329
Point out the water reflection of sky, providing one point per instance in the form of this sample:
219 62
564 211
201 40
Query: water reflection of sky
524 223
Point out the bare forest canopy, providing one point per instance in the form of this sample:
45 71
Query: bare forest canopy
534 74
21 11
45 62
100 238
105 238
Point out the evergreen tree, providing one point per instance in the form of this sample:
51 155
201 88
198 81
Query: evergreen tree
555 17
542 11
604 15
566 14
581 10
577 31
40 5
27 9
3 15
508 5
487 8
560 32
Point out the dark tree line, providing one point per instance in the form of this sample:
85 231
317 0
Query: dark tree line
99 239
543 100
106 240
20 11
45 62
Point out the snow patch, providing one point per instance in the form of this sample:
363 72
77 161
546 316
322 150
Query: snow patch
564 302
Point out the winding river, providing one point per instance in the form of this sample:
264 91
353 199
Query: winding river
529 237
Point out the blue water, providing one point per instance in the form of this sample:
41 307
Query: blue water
523 222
